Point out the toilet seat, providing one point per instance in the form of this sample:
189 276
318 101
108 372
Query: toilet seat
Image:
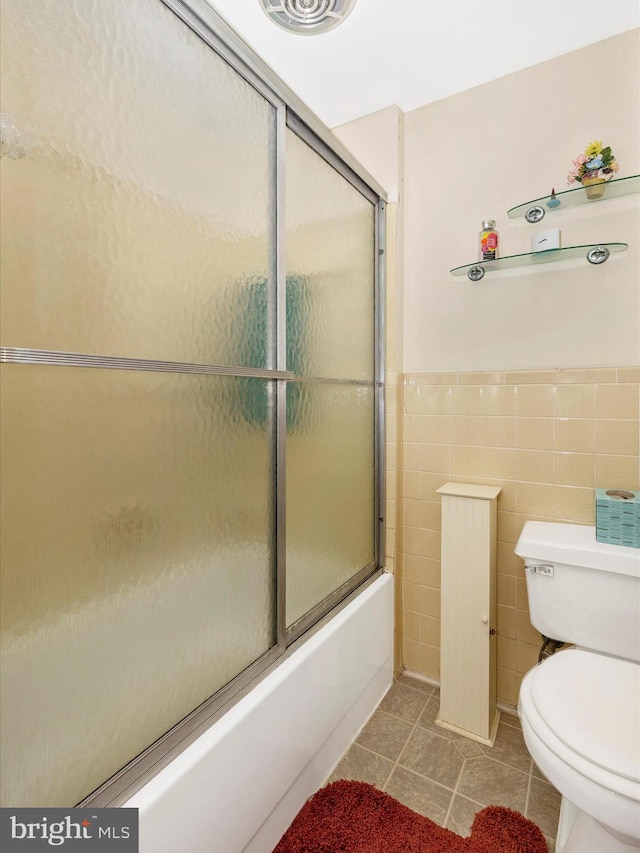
571 697
567 758
590 767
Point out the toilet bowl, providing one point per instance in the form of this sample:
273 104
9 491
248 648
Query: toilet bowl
580 714
580 708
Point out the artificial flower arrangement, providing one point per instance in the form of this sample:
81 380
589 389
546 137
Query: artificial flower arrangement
596 162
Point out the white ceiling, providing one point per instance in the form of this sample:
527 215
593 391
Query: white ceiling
413 52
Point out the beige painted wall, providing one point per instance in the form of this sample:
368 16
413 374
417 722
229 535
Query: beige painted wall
475 155
377 141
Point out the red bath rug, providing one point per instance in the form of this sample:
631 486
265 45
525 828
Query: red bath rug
354 817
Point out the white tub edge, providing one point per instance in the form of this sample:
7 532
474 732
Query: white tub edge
238 787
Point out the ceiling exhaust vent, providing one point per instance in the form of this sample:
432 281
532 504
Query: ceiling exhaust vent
307 17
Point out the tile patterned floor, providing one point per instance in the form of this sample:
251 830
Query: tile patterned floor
442 775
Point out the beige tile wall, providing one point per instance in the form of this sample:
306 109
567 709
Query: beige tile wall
547 437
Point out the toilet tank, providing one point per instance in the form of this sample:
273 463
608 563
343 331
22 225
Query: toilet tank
582 591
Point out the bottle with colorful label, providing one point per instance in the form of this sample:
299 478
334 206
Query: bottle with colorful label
488 250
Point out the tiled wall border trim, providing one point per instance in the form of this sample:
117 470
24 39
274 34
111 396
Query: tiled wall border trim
554 376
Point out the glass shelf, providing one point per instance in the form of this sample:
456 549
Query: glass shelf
534 211
595 253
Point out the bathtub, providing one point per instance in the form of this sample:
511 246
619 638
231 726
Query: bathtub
238 787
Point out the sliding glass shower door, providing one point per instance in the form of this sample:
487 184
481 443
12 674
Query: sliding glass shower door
330 440
163 367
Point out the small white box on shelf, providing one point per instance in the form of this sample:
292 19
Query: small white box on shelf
545 240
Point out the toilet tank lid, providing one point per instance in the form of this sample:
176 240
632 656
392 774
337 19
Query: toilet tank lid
575 545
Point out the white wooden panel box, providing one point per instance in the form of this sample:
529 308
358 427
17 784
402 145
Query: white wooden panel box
468 611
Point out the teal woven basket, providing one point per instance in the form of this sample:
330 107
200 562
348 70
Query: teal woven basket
618 517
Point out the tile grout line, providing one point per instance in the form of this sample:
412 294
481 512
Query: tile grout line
367 749
448 740
554 458
427 778
455 791
464 758
528 794
414 727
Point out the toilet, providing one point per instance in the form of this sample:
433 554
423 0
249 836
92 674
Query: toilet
580 708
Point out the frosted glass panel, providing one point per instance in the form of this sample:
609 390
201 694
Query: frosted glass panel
137 559
139 544
330 254
138 176
330 336
330 490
